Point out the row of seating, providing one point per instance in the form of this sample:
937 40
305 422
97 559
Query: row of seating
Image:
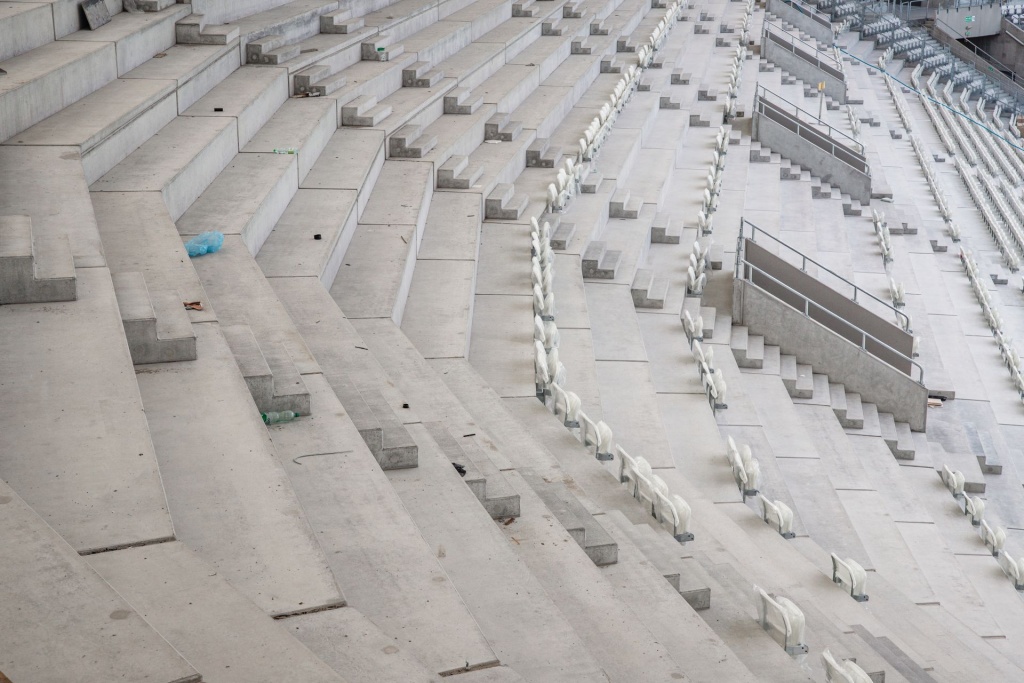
711 378
995 322
883 235
995 226
937 194
746 470
894 91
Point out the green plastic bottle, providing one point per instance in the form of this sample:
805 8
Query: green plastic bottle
276 417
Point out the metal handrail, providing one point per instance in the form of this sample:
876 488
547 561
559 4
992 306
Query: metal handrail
809 11
754 230
808 303
814 130
787 40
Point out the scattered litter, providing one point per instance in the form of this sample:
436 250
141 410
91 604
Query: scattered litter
312 455
405 405
317 236
934 403
465 436
309 49
509 520
159 55
285 150
204 243
459 468
403 239
275 417
193 305
362 347
218 108
2 72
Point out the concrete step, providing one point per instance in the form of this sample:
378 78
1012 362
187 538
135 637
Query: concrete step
897 436
180 161
270 49
664 230
455 174
269 372
647 290
34 270
599 262
748 349
108 124
562 233
200 613
622 205
854 418
503 204
409 142
302 126
340 21
319 80
24 28
481 476
156 326
193 30
583 527
39 564
498 127
107 495
252 528
540 154
364 111
462 101
246 199
421 75
357 379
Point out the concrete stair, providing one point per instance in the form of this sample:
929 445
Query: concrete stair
33 271
319 80
477 471
156 326
622 205
664 230
421 75
193 30
897 436
541 154
503 204
364 111
462 101
272 49
455 174
498 127
583 527
410 143
599 262
269 372
797 377
647 290
340 21
748 349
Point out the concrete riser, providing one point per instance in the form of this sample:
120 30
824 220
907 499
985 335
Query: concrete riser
146 348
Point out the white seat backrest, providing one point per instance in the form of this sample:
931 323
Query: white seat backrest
834 671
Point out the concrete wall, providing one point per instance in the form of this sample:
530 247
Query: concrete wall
821 163
843 362
804 17
987 21
848 316
805 70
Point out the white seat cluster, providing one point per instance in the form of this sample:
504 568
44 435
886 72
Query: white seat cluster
850 574
995 321
746 470
778 516
653 493
711 378
550 373
882 233
845 672
782 619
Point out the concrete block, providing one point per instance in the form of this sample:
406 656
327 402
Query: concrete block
153 337
32 272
